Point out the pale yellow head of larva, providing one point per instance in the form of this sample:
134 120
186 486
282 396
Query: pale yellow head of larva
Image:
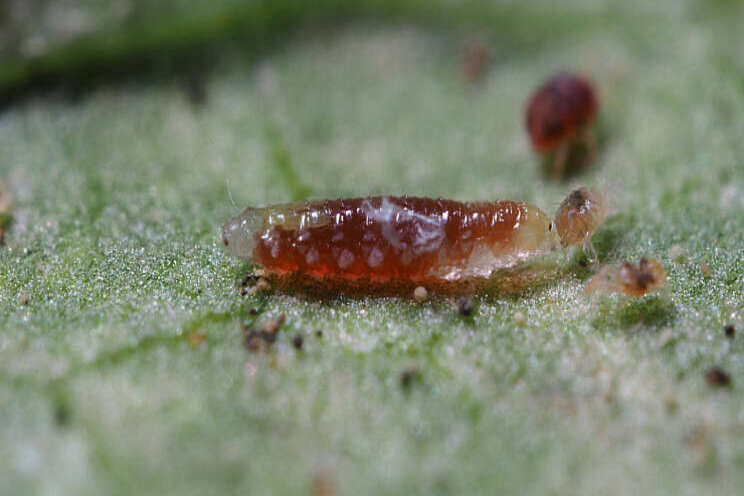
579 215
239 234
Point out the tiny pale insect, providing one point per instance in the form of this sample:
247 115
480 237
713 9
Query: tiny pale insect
415 241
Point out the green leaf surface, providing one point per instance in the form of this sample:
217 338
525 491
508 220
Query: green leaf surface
122 362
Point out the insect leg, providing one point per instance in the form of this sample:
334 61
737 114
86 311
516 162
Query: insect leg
559 161
590 251
590 140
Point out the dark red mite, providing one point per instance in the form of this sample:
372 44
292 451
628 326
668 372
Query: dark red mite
560 114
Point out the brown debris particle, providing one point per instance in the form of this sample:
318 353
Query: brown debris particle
729 331
648 274
474 61
195 339
319 333
24 299
249 280
247 283
717 377
257 340
297 341
253 283
262 339
420 294
629 279
409 375
272 326
704 268
323 485
261 285
465 306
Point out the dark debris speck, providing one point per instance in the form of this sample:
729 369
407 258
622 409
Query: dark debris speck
262 339
297 341
730 331
61 414
717 377
409 375
257 340
319 333
248 280
273 326
465 306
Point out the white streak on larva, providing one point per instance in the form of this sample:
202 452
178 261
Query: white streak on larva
429 230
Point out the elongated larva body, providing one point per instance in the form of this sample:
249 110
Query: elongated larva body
384 238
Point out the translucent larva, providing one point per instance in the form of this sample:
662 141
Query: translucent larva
386 239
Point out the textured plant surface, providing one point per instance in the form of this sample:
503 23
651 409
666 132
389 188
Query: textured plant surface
122 361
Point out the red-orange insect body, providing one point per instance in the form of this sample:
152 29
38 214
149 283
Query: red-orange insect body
385 238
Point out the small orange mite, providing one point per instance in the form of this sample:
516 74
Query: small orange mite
560 114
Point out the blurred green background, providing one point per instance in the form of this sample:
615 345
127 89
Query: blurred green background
122 364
